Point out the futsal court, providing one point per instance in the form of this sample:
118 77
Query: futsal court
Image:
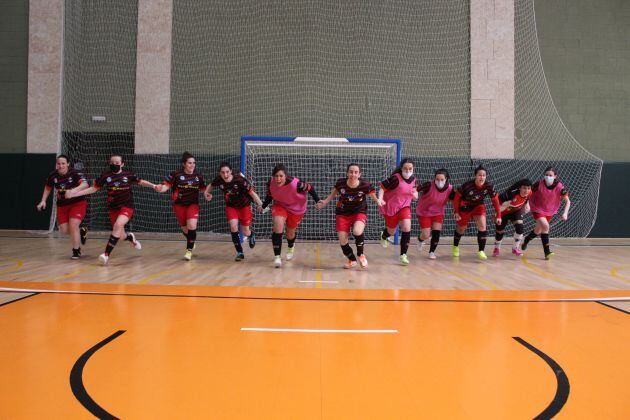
160 156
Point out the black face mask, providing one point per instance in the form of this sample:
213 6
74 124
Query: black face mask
114 168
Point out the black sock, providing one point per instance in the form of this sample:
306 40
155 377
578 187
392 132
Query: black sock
360 241
111 243
276 240
481 239
405 237
456 237
185 235
435 240
191 238
236 240
347 251
529 237
544 237
291 242
498 236
385 234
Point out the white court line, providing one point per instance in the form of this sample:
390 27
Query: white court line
318 281
306 330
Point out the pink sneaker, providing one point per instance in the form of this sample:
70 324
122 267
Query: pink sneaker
496 252
517 252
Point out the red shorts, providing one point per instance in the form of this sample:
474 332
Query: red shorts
123 211
184 213
293 220
537 216
344 223
427 221
71 211
244 214
480 210
392 221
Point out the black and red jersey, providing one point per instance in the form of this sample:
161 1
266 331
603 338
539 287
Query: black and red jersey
185 187
236 192
352 200
118 186
62 183
469 195
512 201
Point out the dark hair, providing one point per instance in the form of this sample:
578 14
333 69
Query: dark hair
398 169
525 182
122 159
279 167
441 171
481 168
65 157
225 165
186 156
353 164
552 169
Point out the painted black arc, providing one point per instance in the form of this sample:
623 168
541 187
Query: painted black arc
76 380
562 389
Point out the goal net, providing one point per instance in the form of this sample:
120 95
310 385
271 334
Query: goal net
320 162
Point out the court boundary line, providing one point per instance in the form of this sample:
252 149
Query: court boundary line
76 379
614 307
563 387
79 292
18 299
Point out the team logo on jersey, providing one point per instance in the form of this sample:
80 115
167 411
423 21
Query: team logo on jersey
342 191
197 178
471 193
70 179
124 179
109 179
182 177
222 187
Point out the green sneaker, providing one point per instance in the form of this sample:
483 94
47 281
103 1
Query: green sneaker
482 255
549 256
455 251
290 251
404 260
188 255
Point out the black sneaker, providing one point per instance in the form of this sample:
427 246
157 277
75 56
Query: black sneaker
239 256
83 231
76 254
252 240
523 246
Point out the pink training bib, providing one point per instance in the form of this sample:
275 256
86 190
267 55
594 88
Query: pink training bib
433 202
398 198
288 196
546 201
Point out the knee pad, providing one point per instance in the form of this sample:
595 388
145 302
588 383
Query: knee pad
519 229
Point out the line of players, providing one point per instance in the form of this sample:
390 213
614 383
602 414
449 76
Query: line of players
289 195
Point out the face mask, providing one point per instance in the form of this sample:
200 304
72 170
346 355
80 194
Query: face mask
114 168
549 179
407 175
440 184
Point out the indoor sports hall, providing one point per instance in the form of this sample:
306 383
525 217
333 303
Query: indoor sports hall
294 209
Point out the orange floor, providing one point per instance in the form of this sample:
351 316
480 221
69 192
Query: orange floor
180 352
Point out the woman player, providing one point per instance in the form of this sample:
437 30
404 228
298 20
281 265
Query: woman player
186 184
398 190
430 209
351 212
289 206
544 203
513 208
468 203
238 194
118 184
70 211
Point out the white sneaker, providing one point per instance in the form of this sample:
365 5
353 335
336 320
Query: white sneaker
277 261
363 262
135 243
103 259
432 256
290 252
420 245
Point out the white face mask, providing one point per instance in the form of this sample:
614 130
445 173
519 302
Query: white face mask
440 184
406 174
549 179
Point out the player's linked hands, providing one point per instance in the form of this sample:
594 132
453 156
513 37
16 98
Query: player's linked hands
380 202
320 204
208 196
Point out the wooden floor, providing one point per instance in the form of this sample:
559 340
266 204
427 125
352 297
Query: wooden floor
153 336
